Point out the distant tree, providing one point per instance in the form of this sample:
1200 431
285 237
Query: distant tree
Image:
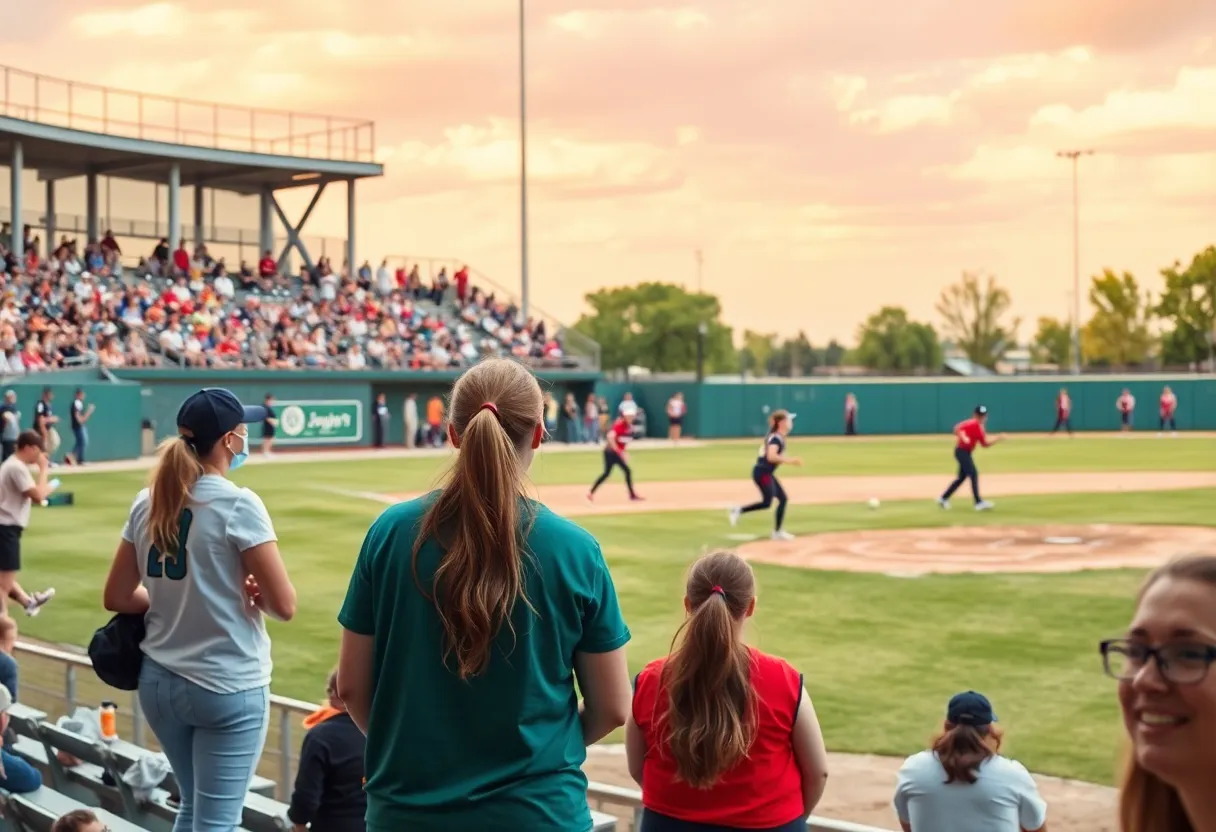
833 354
973 312
888 340
757 351
1188 308
655 325
1118 333
1052 342
795 357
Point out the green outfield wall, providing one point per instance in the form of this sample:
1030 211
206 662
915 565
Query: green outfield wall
316 409
914 406
114 429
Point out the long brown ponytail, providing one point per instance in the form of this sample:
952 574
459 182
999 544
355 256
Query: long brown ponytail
775 420
495 409
962 749
710 722
177 470
1146 802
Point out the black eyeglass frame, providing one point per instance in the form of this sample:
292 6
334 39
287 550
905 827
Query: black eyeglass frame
1156 654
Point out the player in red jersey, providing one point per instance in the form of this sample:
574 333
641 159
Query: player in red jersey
619 435
1169 406
1126 405
969 434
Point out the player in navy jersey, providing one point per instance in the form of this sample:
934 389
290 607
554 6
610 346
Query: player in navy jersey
619 435
764 474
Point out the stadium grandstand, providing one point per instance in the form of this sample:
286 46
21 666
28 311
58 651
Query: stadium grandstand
80 290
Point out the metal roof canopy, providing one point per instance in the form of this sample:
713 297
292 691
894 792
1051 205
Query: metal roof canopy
62 153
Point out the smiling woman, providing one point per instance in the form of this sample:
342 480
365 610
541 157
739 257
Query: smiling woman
1168 695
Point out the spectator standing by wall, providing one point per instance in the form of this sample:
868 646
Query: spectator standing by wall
80 415
199 559
501 606
411 420
676 410
722 736
434 421
380 419
269 424
18 490
963 783
1167 692
10 427
1126 405
45 421
328 795
850 414
574 422
591 419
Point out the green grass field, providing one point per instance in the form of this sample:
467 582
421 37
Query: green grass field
881 655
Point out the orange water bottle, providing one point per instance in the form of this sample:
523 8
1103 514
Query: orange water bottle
109 721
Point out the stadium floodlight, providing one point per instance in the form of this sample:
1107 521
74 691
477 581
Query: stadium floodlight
1075 156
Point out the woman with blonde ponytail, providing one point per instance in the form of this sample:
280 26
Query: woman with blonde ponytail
1167 691
721 735
470 614
199 560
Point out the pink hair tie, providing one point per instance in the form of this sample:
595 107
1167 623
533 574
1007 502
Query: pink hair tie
493 408
717 590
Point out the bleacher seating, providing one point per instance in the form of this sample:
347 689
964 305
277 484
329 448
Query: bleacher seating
57 312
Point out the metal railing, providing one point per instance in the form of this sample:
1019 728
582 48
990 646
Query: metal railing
156 229
115 112
576 344
51 681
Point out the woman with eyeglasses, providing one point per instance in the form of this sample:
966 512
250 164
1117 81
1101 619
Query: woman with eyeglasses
1167 691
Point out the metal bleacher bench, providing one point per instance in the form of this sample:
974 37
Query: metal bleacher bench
97 779
38 811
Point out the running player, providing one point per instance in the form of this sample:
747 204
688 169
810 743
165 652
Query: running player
1126 405
1063 412
1169 407
970 432
619 435
764 473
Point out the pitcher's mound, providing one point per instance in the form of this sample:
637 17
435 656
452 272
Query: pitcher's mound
911 552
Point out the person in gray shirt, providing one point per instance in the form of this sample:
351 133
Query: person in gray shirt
199 559
11 426
963 784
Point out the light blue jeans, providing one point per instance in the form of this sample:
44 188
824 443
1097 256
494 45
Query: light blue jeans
213 742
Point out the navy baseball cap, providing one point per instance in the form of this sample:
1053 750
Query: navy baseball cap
213 411
981 410
970 708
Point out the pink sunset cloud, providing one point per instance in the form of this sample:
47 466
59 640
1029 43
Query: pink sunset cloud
827 157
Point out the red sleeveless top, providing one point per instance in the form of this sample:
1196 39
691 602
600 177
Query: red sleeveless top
763 790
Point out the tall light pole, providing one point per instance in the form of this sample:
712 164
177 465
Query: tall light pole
1075 157
523 167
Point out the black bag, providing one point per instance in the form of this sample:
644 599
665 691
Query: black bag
115 651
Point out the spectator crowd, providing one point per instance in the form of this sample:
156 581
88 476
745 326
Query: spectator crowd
81 305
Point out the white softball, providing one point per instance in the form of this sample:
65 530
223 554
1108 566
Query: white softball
874 502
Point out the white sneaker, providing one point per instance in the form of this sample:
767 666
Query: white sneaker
38 600
782 534
984 505
944 503
734 514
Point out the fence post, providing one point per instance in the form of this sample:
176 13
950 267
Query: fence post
137 716
69 686
285 747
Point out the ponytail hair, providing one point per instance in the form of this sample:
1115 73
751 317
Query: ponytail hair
177 470
775 420
962 749
478 517
1146 802
710 722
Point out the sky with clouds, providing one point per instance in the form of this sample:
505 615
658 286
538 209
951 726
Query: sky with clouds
827 157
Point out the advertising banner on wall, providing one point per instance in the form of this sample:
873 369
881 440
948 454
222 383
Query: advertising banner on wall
319 422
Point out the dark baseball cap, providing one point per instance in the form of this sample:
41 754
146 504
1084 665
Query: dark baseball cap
212 412
981 410
970 708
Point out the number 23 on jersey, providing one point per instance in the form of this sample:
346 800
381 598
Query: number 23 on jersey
174 566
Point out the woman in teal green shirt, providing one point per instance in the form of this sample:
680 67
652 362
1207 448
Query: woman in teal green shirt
470 614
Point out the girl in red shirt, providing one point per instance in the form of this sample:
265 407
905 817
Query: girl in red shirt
721 736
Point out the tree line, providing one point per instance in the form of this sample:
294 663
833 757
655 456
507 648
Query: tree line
659 326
